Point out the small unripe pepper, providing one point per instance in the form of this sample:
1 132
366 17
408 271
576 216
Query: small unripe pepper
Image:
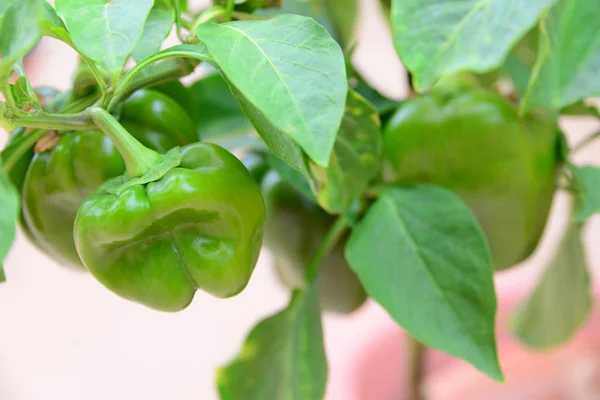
190 219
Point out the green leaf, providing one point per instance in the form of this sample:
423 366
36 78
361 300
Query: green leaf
105 31
218 112
156 29
587 179
344 14
9 213
5 5
293 77
420 253
282 145
382 104
521 60
562 300
52 25
290 175
314 9
283 357
170 4
24 94
436 39
581 109
568 69
355 159
19 33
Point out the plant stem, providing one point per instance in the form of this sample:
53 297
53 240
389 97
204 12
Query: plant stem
14 151
229 9
186 24
60 122
178 18
208 15
415 360
10 101
138 158
242 16
128 83
333 235
583 143
81 103
94 70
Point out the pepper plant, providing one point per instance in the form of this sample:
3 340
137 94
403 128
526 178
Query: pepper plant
413 203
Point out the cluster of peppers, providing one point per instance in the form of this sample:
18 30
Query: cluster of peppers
149 211
154 214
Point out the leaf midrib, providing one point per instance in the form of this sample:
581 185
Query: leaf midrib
286 87
428 273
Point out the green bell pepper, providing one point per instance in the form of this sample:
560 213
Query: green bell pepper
294 229
191 219
474 143
58 179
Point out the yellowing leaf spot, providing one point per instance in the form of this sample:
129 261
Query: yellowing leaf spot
375 118
367 159
354 111
362 136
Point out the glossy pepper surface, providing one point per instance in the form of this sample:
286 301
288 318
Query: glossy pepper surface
294 229
18 172
199 226
474 143
58 179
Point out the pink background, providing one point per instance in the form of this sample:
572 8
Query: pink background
65 337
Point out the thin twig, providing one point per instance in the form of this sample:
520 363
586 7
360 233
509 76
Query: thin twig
584 142
415 362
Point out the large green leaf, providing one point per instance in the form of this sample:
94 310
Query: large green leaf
218 112
587 179
9 213
4 5
105 31
52 25
283 357
439 38
421 254
562 299
282 145
569 63
293 77
156 29
355 159
19 33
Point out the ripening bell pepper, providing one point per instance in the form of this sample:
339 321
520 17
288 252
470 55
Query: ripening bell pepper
294 229
190 219
474 143
58 178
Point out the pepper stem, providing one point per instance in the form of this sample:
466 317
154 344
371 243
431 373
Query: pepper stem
138 158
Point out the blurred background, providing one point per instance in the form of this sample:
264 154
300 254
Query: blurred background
63 336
